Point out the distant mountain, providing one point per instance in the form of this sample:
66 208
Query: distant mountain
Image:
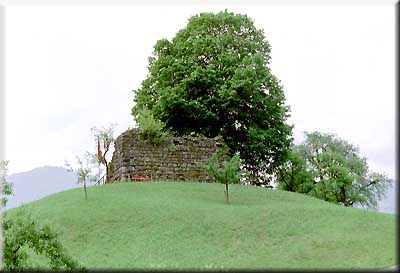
38 183
388 203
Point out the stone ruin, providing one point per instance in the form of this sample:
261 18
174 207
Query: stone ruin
179 158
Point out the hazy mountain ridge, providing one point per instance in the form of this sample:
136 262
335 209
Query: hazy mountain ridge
389 202
38 183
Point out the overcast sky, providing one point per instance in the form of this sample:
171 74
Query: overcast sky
69 68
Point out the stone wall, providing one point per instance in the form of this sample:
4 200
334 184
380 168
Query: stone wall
179 158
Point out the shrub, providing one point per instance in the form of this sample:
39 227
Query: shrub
150 129
22 232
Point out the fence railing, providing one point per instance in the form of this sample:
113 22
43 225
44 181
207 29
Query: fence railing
101 180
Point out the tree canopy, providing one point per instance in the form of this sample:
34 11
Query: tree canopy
331 169
213 79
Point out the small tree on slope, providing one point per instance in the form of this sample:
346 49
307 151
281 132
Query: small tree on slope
226 173
83 170
104 138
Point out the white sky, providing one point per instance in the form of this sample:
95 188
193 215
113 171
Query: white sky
69 68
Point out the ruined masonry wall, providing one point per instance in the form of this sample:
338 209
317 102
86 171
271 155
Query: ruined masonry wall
179 158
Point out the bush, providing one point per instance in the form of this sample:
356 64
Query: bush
150 129
22 233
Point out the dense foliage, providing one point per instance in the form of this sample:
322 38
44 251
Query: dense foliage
5 186
213 78
22 233
224 171
331 169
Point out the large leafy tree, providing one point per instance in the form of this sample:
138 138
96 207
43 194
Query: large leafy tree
213 79
331 169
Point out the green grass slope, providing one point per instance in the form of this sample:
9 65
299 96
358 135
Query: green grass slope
188 226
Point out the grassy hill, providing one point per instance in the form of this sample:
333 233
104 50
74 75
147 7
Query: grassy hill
188 225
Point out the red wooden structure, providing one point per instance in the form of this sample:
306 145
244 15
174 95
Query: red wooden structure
140 179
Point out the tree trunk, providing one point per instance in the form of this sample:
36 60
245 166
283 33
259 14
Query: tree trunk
227 193
106 163
84 187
